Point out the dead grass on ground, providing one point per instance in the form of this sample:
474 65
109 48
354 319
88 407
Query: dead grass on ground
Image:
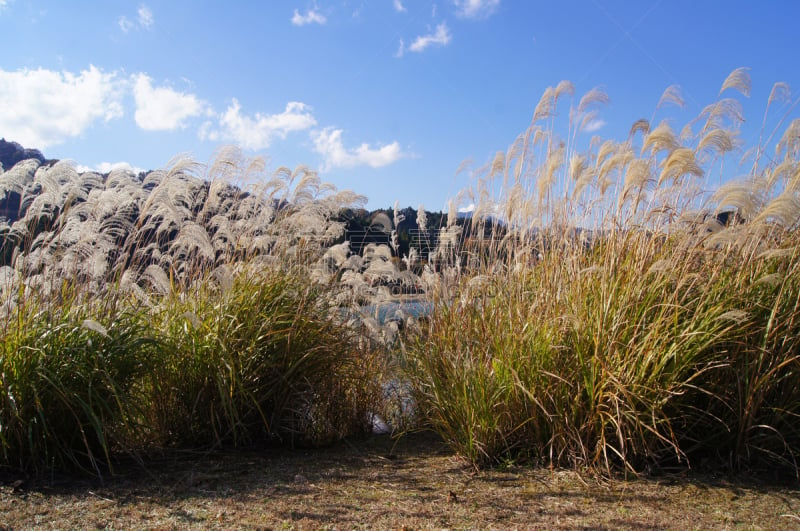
412 483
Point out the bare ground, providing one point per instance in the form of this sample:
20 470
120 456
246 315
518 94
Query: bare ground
413 483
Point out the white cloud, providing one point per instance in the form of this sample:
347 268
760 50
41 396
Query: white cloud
475 8
311 16
124 24
4 4
144 20
401 49
258 131
145 17
328 143
594 126
440 37
399 7
41 108
162 108
107 167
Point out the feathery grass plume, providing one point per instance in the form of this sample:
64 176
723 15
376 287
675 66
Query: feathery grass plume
17 178
554 161
540 136
228 161
780 93
581 174
614 165
117 178
680 162
638 175
742 196
380 221
72 188
397 218
157 278
726 112
687 134
719 142
783 210
516 155
498 165
411 260
307 188
606 148
793 182
782 173
513 206
564 88
789 144
589 117
192 240
422 218
376 252
464 165
452 213
338 253
546 106
42 198
595 97
220 230
671 95
662 138
739 80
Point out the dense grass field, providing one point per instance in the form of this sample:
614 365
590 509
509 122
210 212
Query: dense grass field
605 308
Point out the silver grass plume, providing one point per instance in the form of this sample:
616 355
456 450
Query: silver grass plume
739 80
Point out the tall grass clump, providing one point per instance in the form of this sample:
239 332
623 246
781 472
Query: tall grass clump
69 374
188 307
605 307
266 360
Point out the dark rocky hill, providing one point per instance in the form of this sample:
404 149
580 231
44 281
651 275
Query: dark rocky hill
12 152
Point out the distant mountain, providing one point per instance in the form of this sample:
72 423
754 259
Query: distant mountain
12 152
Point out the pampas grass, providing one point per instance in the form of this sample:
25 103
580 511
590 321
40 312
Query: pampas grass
173 310
619 324
606 306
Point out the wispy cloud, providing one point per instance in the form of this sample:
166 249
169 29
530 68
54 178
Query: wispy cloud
145 17
4 4
125 24
441 37
475 8
312 16
144 20
399 7
162 108
401 49
594 126
328 143
258 131
42 107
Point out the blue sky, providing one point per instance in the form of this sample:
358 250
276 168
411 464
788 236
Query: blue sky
384 97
